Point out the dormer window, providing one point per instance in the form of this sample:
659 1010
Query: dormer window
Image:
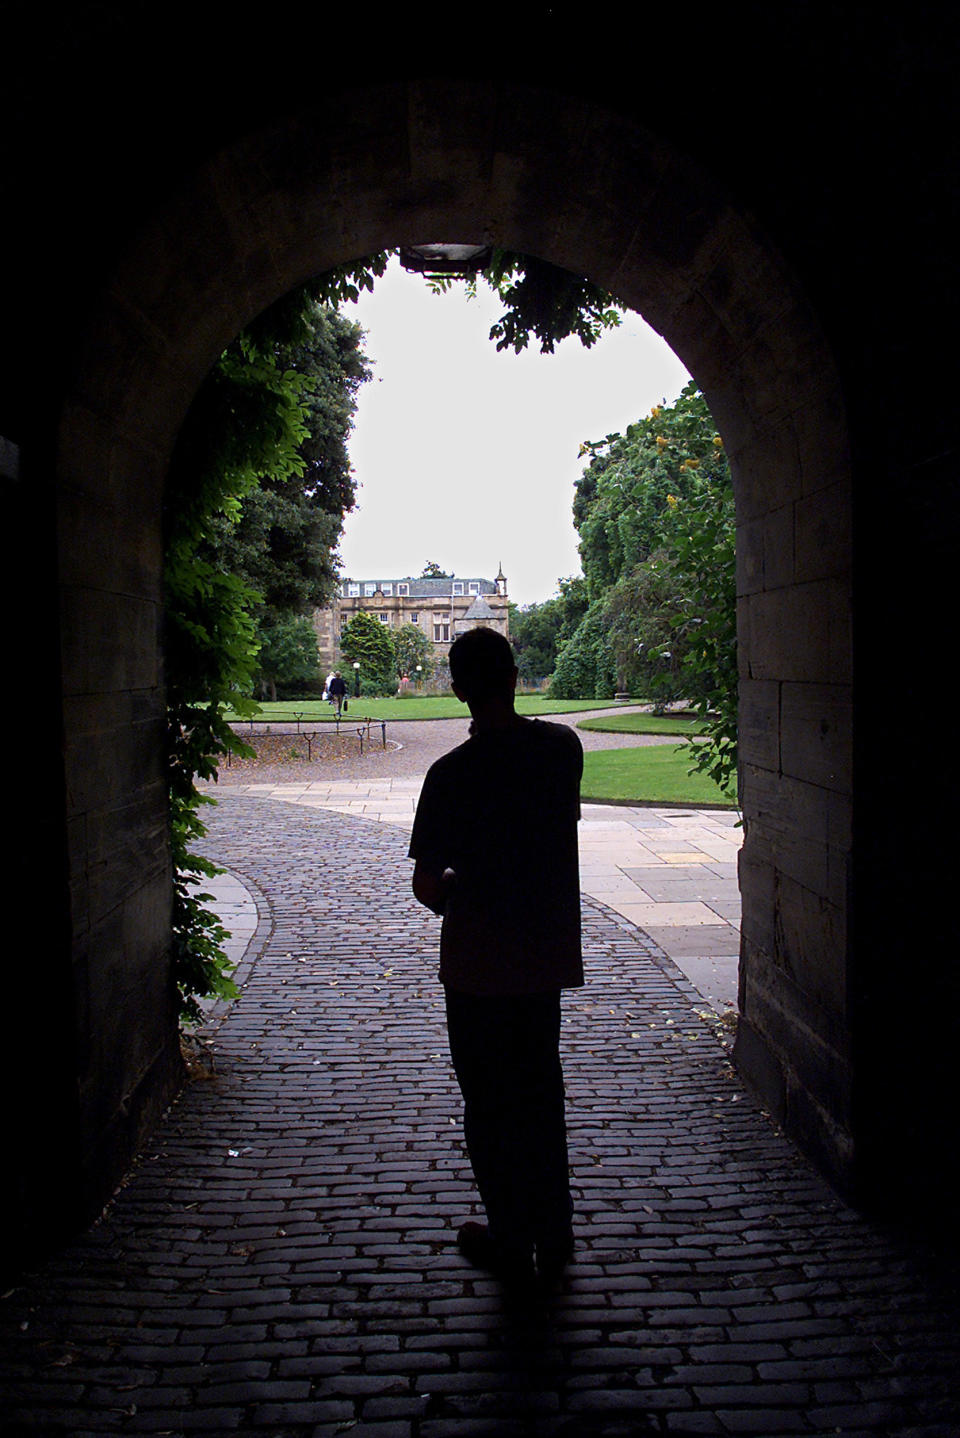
369 590
386 589
457 586
403 589
353 591
474 586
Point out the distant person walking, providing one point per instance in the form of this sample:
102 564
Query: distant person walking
495 848
337 690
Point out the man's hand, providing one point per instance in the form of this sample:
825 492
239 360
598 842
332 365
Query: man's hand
432 889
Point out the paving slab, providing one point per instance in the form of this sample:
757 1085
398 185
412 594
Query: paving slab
281 1261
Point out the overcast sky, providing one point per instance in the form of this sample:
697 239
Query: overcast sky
467 456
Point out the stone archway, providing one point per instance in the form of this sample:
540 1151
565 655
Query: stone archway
567 181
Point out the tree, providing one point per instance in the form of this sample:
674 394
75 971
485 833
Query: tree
411 647
534 632
622 500
288 654
637 618
654 509
367 641
432 570
537 631
585 665
700 556
283 542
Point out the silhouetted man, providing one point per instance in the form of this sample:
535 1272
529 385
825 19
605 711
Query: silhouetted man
495 845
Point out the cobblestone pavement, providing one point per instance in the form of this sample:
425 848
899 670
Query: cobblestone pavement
281 1261
672 872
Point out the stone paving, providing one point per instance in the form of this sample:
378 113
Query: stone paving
281 1262
673 872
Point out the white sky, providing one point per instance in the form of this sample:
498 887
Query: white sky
467 456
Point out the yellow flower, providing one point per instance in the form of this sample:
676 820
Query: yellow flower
661 442
717 442
672 501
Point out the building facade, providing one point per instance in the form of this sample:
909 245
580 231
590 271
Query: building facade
440 607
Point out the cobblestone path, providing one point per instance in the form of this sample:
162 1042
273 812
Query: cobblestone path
282 1260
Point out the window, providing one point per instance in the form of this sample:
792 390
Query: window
387 588
414 616
474 586
441 634
384 617
369 589
404 589
353 590
458 586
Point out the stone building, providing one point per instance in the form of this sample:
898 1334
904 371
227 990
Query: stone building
440 607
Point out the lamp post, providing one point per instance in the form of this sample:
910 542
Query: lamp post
356 679
419 674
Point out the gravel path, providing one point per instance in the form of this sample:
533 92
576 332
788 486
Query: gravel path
420 741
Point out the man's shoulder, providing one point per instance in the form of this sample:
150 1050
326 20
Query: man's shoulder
451 762
561 735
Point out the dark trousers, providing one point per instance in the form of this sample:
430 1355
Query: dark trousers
505 1053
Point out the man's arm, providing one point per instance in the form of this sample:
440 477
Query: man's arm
431 887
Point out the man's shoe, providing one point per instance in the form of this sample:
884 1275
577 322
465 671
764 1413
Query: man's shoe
553 1257
512 1264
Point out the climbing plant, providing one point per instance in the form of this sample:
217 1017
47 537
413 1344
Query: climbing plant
246 425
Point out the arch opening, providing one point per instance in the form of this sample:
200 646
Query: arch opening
466 498
594 194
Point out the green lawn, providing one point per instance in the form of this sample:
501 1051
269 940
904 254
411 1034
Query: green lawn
439 706
654 774
644 724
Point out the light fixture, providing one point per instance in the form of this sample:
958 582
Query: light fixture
445 259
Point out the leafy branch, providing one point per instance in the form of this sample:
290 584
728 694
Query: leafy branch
542 300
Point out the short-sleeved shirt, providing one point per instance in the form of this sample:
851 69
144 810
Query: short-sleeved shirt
501 811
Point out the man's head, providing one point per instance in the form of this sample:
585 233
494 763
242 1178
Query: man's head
482 667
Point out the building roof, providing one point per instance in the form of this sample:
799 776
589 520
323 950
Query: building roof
421 588
479 609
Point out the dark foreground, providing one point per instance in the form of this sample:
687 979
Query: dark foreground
282 1261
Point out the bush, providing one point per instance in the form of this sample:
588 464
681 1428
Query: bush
377 688
585 663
